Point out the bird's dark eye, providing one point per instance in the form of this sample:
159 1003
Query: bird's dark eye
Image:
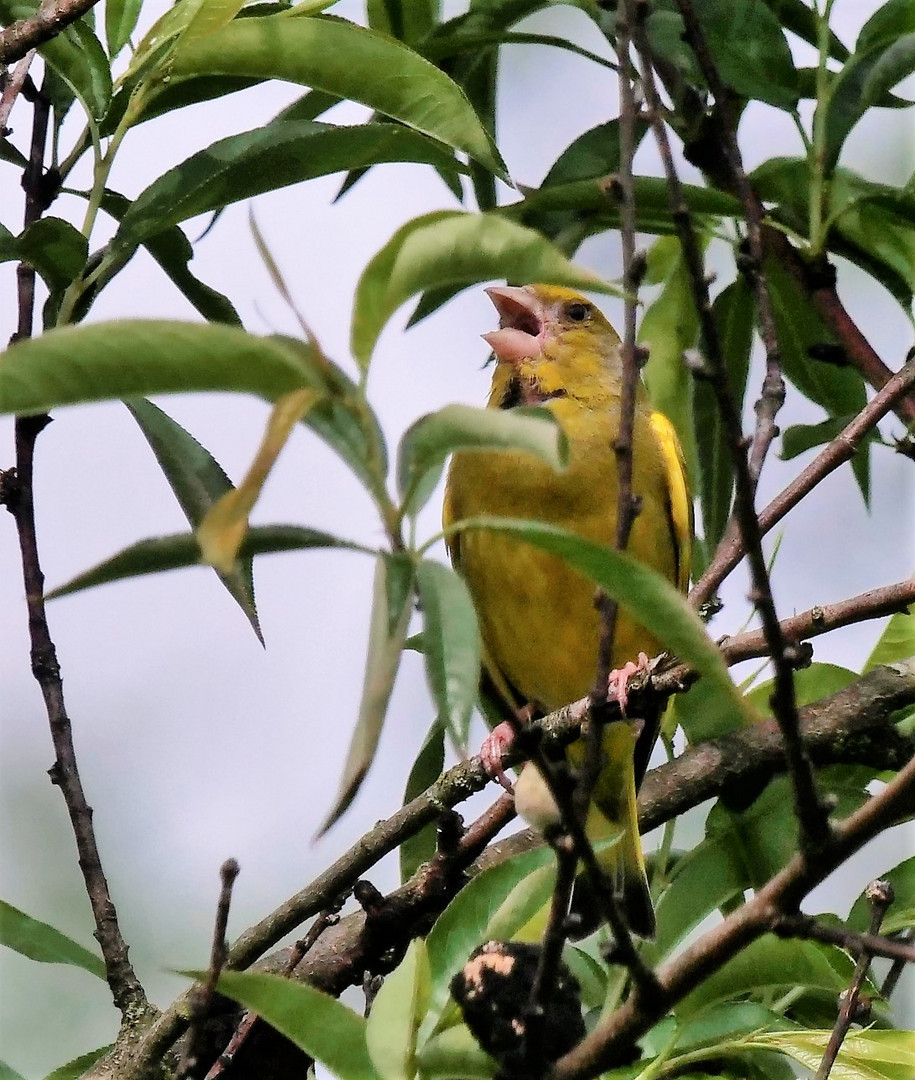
577 312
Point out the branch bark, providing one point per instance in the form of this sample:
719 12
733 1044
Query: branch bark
26 34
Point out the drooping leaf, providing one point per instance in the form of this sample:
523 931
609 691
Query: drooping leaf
175 552
732 311
281 153
646 595
198 481
452 649
397 1010
801 20
426 443
392 605
39 941
350 61
314 1021
138 358
452 247
420 847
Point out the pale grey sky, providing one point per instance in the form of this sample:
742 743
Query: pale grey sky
196 744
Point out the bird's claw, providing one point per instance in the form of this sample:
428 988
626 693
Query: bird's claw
493 751
618 681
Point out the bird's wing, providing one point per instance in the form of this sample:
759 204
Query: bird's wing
679 503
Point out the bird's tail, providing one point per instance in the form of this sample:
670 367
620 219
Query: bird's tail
613 813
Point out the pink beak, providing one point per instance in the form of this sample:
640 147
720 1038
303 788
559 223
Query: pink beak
520 336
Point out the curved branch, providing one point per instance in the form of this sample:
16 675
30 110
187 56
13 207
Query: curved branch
26 34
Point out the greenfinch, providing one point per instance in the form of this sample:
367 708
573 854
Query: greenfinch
537 616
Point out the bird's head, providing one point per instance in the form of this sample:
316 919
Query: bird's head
551 342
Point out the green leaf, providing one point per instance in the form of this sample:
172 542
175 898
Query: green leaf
897 62
669 327
452 648
137 358
796 16
901 914
452 247
173 252
645 594
704 880
392 605
120 22
350 61
865 1055
733 313
464 924
408 21
897 642
74 1069
198 481
39 941
454 1053
889 22
56 249
594 154
8 1073
75 54
421 846
398 1007
771 964
428 441
266 159
312 1020
810 684
182 549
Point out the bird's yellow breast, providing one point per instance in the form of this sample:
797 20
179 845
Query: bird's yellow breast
537 617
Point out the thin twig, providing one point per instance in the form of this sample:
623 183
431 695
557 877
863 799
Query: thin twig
204 995
547 973
812 816
879 898
842 448
12 88
126 990
773 389
895 973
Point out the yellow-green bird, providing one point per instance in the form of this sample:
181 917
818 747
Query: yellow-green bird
538 621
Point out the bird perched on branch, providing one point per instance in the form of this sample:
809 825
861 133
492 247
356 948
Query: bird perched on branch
538 621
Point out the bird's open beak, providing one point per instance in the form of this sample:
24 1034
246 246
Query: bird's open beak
521 324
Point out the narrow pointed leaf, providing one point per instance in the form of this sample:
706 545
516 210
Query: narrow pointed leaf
39 941
645 594
452 648
198 481
427 443
451 247
180 550
268 158
897 642
392 605
865 1055
134 358
341 58
120 21
313 1021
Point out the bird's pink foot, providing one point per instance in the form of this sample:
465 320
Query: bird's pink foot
619 680
492 752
